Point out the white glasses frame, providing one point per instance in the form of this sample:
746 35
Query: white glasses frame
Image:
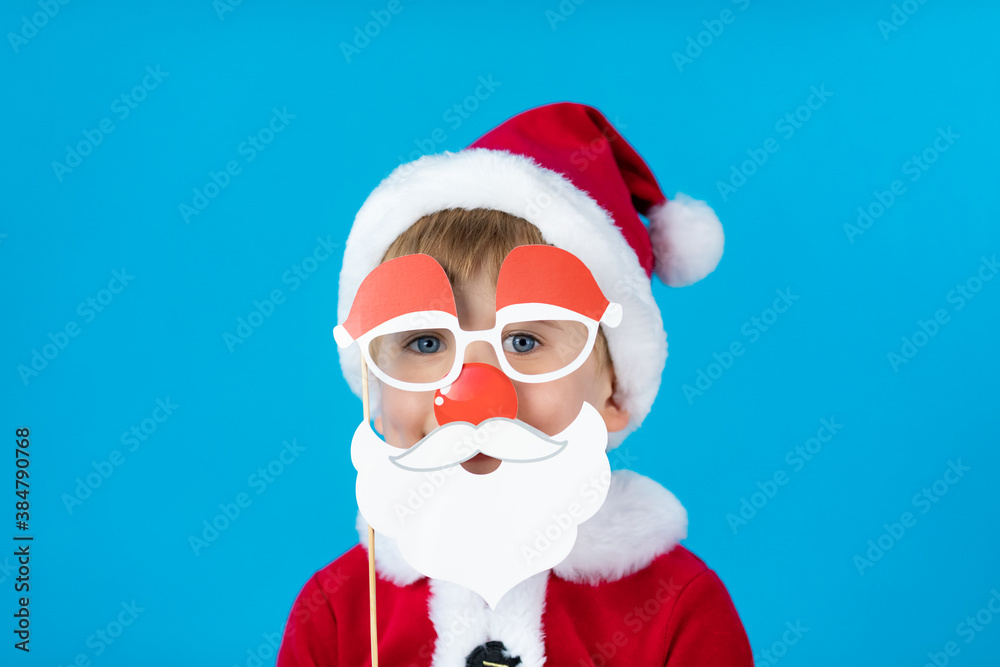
518 312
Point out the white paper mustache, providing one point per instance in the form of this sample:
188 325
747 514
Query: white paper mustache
499 437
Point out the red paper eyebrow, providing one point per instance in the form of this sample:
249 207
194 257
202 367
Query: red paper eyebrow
546 274
407 284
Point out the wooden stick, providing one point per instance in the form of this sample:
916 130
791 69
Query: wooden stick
371 593
371 531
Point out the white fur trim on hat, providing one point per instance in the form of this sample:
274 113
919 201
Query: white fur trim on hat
566 216
687 240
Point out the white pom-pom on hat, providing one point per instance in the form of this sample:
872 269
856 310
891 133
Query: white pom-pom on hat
687 240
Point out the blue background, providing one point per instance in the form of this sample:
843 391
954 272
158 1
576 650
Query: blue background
356 117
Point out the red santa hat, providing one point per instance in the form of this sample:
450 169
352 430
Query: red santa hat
567 170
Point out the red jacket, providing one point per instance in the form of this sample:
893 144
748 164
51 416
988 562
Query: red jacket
627 595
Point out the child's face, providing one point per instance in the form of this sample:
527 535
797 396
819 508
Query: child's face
548 406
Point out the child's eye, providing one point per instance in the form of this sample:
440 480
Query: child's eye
425 344
519 343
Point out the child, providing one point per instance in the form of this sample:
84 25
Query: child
627 593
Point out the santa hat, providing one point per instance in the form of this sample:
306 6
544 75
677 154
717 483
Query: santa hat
564 168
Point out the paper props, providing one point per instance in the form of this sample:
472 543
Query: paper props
486 532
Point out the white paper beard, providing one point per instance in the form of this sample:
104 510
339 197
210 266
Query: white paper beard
485 532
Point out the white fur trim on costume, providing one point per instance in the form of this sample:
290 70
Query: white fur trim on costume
567 217
639 520
463 621
389 561
687 240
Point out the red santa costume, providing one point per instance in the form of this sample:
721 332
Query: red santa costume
628 593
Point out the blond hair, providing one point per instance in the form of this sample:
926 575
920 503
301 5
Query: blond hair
472 242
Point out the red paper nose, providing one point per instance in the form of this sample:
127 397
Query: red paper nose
481 392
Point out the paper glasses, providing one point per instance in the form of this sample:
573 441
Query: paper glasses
548 305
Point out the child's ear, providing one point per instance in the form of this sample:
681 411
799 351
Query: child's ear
615 417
